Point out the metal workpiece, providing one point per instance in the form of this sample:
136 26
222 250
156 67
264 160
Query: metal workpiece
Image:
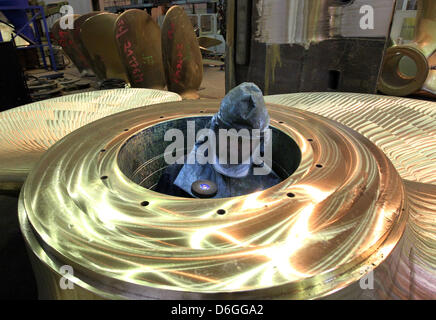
407 68
181 54
410 271
77 39
332 221
405 129
97 34
26 132
138 39
321 43
305 22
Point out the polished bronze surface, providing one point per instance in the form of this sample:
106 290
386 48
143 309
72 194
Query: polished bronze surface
138 39
430 83
410 271
395 78
28 131
405 129
335 219
77 40
181 54
97 35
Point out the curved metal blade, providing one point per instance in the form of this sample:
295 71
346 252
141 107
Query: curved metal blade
181 54
97 36
138 40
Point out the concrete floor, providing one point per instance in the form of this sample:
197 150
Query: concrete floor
212 87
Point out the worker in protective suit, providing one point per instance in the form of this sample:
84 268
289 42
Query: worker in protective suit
242 108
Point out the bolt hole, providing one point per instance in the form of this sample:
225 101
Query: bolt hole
104 177
281 122
201 111
319 165
221 212
145 203
126 129
291 195
310 140
103 150
161 117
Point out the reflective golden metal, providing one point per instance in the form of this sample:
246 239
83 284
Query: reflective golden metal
138 39
410 271
181 54
331 222
97 35
396 78
207 42
430 83
77 40
405 129
27 132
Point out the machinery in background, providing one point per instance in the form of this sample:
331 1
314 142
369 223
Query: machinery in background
206 27
410 67
22 15
13 88
302 46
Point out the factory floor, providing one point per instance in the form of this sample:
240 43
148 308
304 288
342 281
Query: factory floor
17 279
212 87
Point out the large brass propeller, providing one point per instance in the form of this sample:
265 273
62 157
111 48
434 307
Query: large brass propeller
130 46
139 45
181 54
97 35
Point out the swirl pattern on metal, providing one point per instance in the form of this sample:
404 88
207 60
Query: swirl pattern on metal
311 235
27 132
405 129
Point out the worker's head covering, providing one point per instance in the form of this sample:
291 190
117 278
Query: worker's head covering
242 108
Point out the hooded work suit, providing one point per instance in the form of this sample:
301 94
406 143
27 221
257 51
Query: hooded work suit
242 108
